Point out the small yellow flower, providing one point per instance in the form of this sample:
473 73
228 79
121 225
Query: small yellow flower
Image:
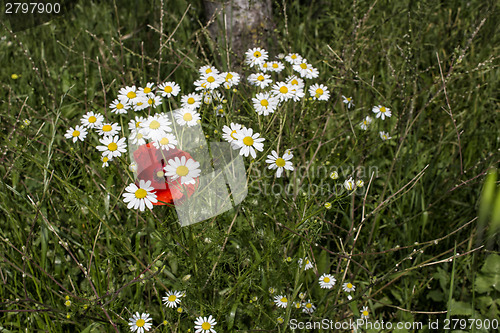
165 322
179 309
68 316
15 76
67 303
328 205
66 298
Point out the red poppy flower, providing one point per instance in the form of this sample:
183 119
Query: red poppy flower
150 163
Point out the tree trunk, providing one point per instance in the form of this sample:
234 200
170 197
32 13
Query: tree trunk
244 23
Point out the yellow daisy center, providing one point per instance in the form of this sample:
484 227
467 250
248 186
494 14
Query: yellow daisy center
140 136
67 303
248 140
208 70
107 128
76 133
275 65
119 106
303 65
155 124
309 305
261 78
187 117
349 285
190 100
293 56
105 159
168 89
140 323
326 279
297 305
283 90
383 109
182 170
139 103
280 162
147 90
319 91
137 124
131 94
172 298
141 194
264 102
257 54
210 79
206 326
164 141
233 132
365 313
348 99
112 146
229 76
295 82
284 300
92 119
150 101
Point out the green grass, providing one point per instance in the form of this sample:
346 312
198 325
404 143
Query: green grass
65 230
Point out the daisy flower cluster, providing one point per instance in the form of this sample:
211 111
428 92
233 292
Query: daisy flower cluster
380 111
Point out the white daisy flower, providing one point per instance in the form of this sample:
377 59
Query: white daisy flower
365 123
92 120
297 305
280 56
327 281
297 94
108 129
192 101
309 264
155 127
280 163
276 66
384 135
303 68
119 106
113 146
360 183
349 184
172 299
272 290
105 160
166 142
151 100
265 67
293 58
319 92
204 324
308 307
187 116
311 73
280 320
140 197
148 90
265 103
334 175
231 79
229 134
211 81
169 89
249 142
135 123
185 169
282 90
211 96
260 80
256 56
208 70
364 312
140 323
141 103
77 133
137 137
219 110
281 301
349 297
348 287
381 112
348 101
128 94
295 81
133 167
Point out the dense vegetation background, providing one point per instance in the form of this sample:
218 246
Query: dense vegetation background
414 240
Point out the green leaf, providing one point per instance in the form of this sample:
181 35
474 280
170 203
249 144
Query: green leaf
458 308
